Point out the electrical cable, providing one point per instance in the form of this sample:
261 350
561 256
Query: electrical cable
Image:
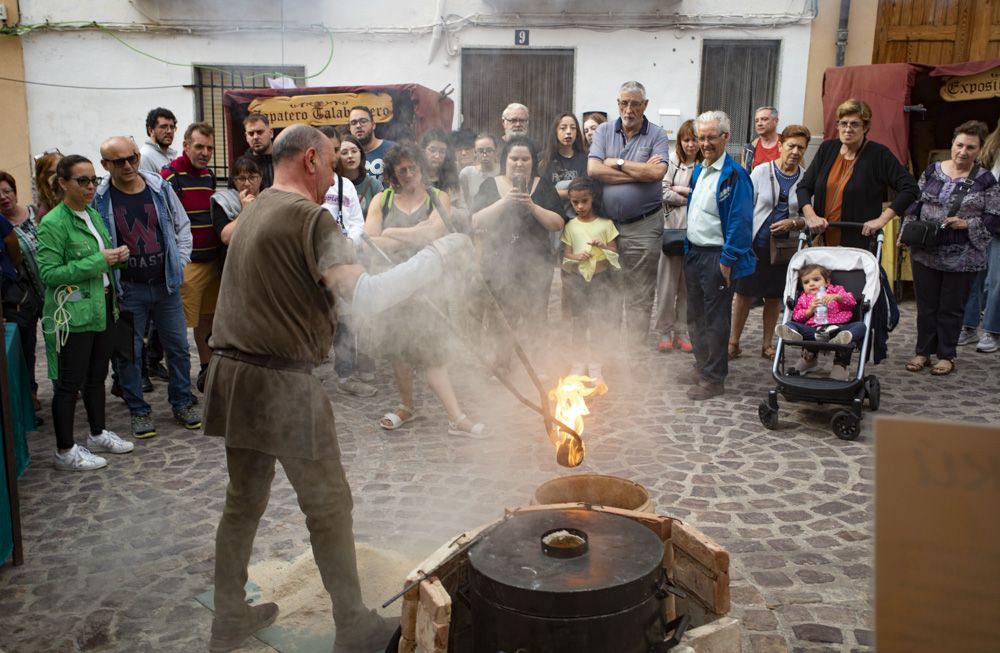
60 315
26 29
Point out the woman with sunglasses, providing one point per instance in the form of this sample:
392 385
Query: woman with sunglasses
75 259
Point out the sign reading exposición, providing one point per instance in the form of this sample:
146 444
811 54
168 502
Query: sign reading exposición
981 86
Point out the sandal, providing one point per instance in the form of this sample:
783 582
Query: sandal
768 353
399 416
943 367
464 426
917 363
734 350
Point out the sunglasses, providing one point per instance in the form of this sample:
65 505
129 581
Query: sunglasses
85 181
131 160
54 150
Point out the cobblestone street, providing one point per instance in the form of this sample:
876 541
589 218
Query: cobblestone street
114 558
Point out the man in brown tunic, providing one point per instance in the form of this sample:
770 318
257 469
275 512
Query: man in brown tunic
274 322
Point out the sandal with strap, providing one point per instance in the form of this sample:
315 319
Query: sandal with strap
734 350
397 417
943 367
462 425
768 353
917 363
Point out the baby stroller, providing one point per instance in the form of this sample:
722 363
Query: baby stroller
857 270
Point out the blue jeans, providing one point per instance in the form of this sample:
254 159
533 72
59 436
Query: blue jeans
857 330
346 356
145 302
984 299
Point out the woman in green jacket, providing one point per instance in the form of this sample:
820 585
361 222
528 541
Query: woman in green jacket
74 261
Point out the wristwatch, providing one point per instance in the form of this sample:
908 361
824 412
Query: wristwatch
620 163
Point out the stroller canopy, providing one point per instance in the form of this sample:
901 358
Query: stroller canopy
835 259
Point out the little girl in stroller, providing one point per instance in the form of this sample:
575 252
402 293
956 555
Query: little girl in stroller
823 312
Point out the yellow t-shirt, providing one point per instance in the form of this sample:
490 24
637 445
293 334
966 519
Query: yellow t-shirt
578 235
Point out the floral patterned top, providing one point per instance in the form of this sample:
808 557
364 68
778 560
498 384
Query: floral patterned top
958 250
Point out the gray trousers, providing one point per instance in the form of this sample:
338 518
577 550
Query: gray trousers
639 245
324 497
710 312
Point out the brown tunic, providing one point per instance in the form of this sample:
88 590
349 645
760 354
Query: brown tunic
272 303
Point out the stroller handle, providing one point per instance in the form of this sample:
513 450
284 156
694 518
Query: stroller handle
856 226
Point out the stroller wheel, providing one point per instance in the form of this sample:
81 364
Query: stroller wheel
873 391
845 425
768 416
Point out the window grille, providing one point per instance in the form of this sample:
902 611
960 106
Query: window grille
210 82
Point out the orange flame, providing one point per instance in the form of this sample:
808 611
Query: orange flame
569 408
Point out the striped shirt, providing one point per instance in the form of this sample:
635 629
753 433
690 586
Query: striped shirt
195 187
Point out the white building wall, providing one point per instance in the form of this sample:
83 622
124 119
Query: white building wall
376 42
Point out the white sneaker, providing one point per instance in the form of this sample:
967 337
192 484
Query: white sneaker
988 343
786 332
967 336
108 442
842 338
77 459
839 373
803 365
366 377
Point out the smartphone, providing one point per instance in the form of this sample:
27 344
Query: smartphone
520 183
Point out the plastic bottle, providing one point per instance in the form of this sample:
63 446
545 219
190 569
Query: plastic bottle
820 313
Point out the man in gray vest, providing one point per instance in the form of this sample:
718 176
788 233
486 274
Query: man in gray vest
630 157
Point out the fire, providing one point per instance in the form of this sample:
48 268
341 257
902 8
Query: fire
569 408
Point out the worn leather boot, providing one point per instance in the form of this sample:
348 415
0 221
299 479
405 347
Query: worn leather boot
370 635
227 636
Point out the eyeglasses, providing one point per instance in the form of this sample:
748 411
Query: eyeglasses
710 139
54 150
7 191
517 121
357 122
407 170
131 160
86 181
167 127
246 179
630 104
486 151
850 124
436 151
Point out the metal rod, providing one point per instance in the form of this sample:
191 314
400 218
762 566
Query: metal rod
543 407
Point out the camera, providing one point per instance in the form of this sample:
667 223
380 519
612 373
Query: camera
520 183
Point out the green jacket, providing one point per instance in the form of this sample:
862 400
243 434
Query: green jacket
68 255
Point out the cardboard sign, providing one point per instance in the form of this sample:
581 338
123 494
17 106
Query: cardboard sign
982 86
937 536
321 109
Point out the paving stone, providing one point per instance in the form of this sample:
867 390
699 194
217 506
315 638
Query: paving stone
129 547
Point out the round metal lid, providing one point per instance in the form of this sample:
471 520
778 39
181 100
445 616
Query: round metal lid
620 568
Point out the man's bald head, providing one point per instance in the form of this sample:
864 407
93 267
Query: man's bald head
303 160
116 147
120 157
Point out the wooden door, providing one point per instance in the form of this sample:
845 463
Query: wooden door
492 78
937 31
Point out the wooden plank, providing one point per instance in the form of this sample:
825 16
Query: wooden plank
966 13
982 28
922 33
700 547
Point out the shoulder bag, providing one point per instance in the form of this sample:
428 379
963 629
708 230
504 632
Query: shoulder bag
923 233
782 248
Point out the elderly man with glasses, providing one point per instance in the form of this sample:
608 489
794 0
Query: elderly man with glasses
630 157
142 212
514 120
718 251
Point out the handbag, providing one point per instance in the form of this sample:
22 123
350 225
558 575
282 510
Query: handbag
673 242
923 233
782 249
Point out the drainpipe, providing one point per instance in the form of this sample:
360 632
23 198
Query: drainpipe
845 10
438 34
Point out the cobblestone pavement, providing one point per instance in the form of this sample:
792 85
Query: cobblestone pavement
115 557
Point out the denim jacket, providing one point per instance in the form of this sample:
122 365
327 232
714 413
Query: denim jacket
170 213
